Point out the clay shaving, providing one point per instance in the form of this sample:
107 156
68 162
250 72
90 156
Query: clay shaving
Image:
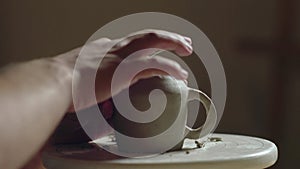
215 139
198 144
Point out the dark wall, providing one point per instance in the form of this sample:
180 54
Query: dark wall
39 28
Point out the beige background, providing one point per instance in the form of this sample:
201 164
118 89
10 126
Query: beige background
39 28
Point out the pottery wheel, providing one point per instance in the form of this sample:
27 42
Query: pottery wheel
220 151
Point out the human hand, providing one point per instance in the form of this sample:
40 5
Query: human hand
115 54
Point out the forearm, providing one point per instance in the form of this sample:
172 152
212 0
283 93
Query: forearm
34 97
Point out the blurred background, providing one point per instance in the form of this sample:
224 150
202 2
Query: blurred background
258 42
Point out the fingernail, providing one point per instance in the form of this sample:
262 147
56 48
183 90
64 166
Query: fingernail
188 39
190 48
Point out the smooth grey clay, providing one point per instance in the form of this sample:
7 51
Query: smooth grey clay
139 95
175 115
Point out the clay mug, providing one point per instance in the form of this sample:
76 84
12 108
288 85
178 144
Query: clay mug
169 128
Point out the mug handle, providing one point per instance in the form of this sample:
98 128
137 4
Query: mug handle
211 115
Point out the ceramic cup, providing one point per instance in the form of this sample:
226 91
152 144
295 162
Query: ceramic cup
169 129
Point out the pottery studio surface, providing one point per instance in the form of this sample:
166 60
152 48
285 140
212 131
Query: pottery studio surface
217 151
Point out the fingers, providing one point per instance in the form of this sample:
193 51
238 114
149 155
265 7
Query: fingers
159 39
189 40
158 66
